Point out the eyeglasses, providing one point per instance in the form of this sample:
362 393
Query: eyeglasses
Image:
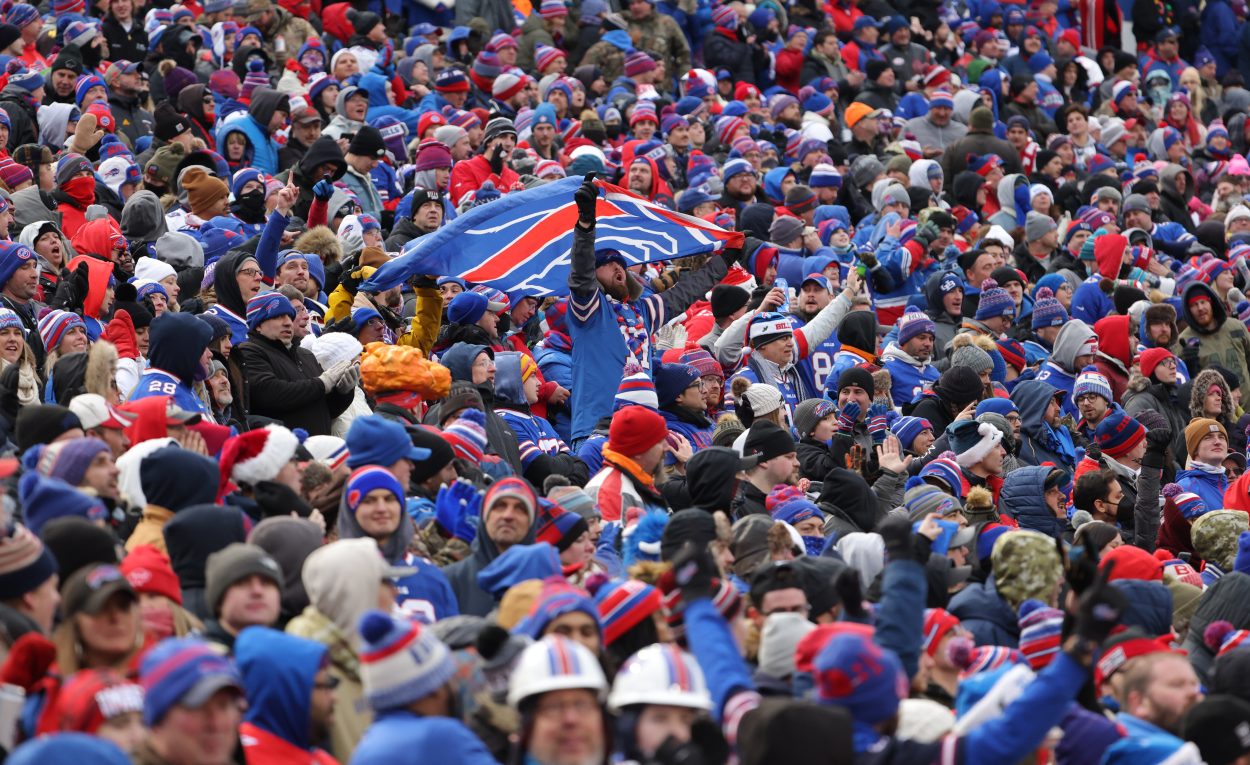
1170 361
329 684
554 710
248 272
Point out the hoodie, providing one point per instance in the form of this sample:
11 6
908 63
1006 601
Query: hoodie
99 275
143 218
1023 498
255 127
1226 345
171 479
190 537
1061 370
177 342
1013 202
1039 442
534 435
984 613
849 501
713 485
380 106
231 306
278 674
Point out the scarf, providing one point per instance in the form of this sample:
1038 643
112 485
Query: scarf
633 469
1203 467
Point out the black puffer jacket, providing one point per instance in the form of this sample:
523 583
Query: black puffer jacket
282 383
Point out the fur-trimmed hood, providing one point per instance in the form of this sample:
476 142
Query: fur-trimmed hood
1136 382
101 366
1198 388
320 240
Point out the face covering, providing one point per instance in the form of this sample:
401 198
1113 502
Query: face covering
252 205
81 190
157 619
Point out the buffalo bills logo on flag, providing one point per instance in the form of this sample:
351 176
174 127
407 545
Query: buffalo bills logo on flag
523 241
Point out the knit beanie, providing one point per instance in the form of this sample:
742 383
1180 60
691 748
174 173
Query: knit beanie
994 302
67 460
636 429
266 306
55 324
25 563
559 527
907 428
401 661
809 413
367 479
1090 380
1047 311
1041 629
1118 433
149 571
973 358
623 604
853 672
636 388
1199 429
467 435
515 488
203 190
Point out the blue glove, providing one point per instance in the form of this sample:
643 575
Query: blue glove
878 424
455 505
607 540
847 416
323 190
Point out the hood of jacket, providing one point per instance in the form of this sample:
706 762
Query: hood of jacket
1198 388
143 218
772 184
266 101
177 342
933 292
509 389
1071 337
859 330
1149 605
981 601
53 121
323 150
1013 196
191 102
225 281
1023 498
99 272
1109 254
1197 289
964 188
175 478
96 237
196 533
850 493
459 360
1031 398
375 85
1113 339
278 671
394 548
1167 185
755 219
712 481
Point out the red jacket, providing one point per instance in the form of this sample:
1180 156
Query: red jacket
470 174
260 747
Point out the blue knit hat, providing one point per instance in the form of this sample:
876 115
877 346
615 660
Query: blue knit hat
374 440
186 671
997 405
268 305
854 672
790 504
1118 433
68 748
367 479
556 599
85 83
12 257
636 389
1047 311
907 428
913 323
672 379
945 470
517 564
401 661
994 301
45 499
1090 380
470 307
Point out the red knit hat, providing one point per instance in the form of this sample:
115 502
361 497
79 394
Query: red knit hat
636 429
937 623
148 570
1151 358
1132 563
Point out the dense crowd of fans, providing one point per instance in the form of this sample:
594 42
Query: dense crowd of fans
941 458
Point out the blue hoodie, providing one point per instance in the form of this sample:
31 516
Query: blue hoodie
1023 498
177 342
1040 442
278 673
380 106
397 730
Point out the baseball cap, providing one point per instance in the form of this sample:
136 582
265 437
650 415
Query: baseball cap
94 412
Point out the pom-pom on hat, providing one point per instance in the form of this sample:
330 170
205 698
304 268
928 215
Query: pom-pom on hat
256 455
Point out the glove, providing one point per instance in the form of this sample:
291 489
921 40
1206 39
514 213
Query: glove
607 544
28 661
495 158
323 190
927 234
454 506
345 324
878 424
351 282
847 416
121 333
1157 442
586 198
348 381
900 542
72 292
694 570
330 377
868 259
423 281
1099 609
390 318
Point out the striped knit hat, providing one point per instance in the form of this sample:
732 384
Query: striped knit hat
467 435
907 428
636 389
975 659
183 671
10 320
401 661
938 623
67 460
1047 311
553 9
1221 637
558 527
24 562
725 17
624 604
55 324
367 479
994 301
268 305
1090 380
946 470
556 598
1041 629
545 56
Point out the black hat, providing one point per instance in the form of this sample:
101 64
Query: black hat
857 376
1005 274
363 21
9 34
367 143
693 525
727 298
875 69
1220 726
69 58
77 542
421 196
441 453
169 123
42 423
782 575
767 440
959 386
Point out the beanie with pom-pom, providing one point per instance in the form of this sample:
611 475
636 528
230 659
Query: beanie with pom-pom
975 659
400 661
1041 631
995 302
1090 380
1047 311
1189 505
1221 637
467 435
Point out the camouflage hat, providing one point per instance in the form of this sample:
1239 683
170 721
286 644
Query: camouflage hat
1026 565
1215 535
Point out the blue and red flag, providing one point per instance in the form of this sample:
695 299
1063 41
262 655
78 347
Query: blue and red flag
522 241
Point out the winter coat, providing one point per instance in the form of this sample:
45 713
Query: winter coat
499 437
985 614
1198 388
955 158
283 383
1023 498
1142 395
1039 442
255 128
399 730
278 672
815 459
727 50
1209 486
1228 345
462 575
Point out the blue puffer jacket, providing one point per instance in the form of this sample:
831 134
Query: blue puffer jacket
1209 486
986 615
1040 442
1023 498
380 106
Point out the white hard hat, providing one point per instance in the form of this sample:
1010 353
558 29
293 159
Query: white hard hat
660 674
555 663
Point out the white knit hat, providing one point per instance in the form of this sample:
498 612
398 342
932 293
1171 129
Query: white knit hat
401 661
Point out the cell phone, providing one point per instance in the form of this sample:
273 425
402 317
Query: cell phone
862 270
784 286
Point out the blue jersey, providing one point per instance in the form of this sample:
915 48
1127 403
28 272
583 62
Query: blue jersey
425 593
158 382
534 436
